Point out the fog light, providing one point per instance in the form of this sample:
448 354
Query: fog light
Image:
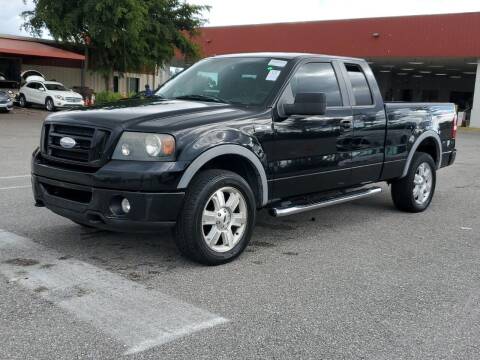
126 206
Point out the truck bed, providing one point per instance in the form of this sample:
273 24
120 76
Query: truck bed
406 121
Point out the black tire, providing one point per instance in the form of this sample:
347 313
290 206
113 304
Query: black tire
22 101
49 105
189 230
402 189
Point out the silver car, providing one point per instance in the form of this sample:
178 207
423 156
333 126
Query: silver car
6 103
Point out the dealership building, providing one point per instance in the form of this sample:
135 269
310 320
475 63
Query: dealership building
415 58
19 54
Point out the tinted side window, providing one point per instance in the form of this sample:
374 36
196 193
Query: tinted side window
317 78
361 90
32 86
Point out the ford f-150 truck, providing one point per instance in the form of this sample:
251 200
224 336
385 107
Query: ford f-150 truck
236 133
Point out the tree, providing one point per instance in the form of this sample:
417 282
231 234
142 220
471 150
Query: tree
121 35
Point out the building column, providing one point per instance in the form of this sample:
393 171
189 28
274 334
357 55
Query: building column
475 116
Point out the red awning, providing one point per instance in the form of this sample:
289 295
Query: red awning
32 48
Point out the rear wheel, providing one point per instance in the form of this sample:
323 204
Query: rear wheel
218 217
49 105
22 101
415 191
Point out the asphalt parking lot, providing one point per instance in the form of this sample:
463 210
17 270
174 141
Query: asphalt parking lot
355 281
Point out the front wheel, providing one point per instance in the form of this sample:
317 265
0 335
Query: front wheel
49 105
415 191
218 217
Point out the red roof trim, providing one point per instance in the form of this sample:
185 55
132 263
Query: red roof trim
32 48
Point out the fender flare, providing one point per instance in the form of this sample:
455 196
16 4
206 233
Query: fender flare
427 134
210 154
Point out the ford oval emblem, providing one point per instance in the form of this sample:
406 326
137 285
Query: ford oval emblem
68 142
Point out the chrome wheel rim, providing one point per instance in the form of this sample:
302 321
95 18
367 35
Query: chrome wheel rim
224 219
22 102
422 183
49 105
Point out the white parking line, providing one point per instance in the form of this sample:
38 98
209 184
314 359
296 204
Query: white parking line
15 187
14 177
138 317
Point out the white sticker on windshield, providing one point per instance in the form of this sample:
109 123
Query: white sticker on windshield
273 75
277 63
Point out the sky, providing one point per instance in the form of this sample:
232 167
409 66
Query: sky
232 12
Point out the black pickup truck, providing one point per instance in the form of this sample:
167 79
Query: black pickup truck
234 134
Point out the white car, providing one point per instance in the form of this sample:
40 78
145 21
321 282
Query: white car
51 94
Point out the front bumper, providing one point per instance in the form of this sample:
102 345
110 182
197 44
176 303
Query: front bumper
66 104
98 207
6 106
93 198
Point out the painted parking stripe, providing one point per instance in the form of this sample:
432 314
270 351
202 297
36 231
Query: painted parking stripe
15 187
137 317
14 177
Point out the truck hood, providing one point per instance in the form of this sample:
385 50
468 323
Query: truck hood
152 115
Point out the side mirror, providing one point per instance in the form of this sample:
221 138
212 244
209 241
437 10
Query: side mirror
307 104
41 89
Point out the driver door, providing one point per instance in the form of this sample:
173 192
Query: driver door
311 153
41 93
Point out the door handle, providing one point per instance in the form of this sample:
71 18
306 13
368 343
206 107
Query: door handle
346 124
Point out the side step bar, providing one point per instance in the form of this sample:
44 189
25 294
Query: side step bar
343 198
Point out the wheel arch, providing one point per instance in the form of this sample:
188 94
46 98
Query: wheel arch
235 158
428 142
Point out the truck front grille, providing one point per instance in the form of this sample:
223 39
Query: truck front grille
89 143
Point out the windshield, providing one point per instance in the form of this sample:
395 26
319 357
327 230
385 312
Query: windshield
245 81
57 87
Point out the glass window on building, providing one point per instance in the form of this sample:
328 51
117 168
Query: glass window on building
115 84
133 85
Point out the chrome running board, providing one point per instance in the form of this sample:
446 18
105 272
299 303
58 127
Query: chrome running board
340 199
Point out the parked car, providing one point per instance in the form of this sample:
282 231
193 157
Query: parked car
10 87
234 134
51 94
6 103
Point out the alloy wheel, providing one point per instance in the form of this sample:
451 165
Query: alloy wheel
422 183
224 219
49 105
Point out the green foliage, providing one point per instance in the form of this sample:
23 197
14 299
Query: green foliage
107 97
122 35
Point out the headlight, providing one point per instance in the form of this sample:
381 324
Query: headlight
145 147
59 97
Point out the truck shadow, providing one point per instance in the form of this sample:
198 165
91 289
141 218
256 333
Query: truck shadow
141 257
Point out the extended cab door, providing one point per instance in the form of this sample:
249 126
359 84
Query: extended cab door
369 122
311 153
41 93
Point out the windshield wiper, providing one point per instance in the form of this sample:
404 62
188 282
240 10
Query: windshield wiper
201 98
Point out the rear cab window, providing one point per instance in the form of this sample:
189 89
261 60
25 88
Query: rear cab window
361 90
